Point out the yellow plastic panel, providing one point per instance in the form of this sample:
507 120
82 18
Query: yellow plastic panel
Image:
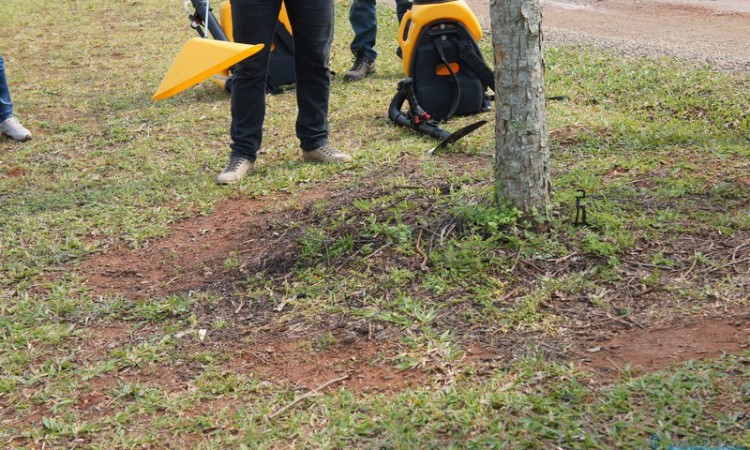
423 15
200 59
284 19
225 18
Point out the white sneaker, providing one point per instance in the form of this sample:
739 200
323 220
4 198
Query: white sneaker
14 130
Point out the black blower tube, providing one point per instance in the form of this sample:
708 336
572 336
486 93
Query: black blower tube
399 118
213 25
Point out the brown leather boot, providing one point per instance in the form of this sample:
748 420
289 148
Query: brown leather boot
361 68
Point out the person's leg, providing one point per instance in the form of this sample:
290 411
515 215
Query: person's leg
253 22
364 21
312 27
9 125
401 7
6 105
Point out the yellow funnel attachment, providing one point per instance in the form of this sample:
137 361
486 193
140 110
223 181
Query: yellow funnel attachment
200 59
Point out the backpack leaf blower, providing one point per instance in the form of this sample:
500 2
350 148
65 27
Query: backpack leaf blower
446 75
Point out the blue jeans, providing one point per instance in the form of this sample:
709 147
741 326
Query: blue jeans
6 105
254 22
363 17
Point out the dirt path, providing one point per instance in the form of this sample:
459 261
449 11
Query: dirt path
716 32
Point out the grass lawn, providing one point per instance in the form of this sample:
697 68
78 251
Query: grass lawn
383 304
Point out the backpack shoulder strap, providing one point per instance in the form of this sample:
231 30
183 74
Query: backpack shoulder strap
468 53
284 36
456 85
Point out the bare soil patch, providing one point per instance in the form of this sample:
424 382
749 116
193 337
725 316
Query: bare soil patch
191 258
365 362
657 348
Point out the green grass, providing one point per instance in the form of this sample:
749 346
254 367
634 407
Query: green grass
404 249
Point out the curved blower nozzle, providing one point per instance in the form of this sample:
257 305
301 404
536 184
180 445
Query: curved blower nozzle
200 59
419 120
415 117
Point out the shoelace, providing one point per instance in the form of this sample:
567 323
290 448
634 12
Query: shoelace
359 62
329 151
234 164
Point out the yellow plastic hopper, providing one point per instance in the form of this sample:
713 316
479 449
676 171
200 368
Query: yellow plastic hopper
200 59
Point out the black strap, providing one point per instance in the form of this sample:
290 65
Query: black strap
456 85
283 35
467 52
284 39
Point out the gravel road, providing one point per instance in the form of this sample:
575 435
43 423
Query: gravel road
713 32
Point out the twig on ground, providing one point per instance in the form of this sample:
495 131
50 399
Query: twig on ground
306 395
650 266
346 261
383 247
683 277
624 321
509 294
737 249
446 230
613 363
515 263
421 252
281 236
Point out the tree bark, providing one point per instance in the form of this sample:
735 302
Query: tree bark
521 152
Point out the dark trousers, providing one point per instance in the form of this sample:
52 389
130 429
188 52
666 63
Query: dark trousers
364 21
254 22
6 105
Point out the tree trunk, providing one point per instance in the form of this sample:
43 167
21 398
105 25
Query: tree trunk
521 152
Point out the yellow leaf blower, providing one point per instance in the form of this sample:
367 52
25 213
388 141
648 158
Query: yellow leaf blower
446 74
202 58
